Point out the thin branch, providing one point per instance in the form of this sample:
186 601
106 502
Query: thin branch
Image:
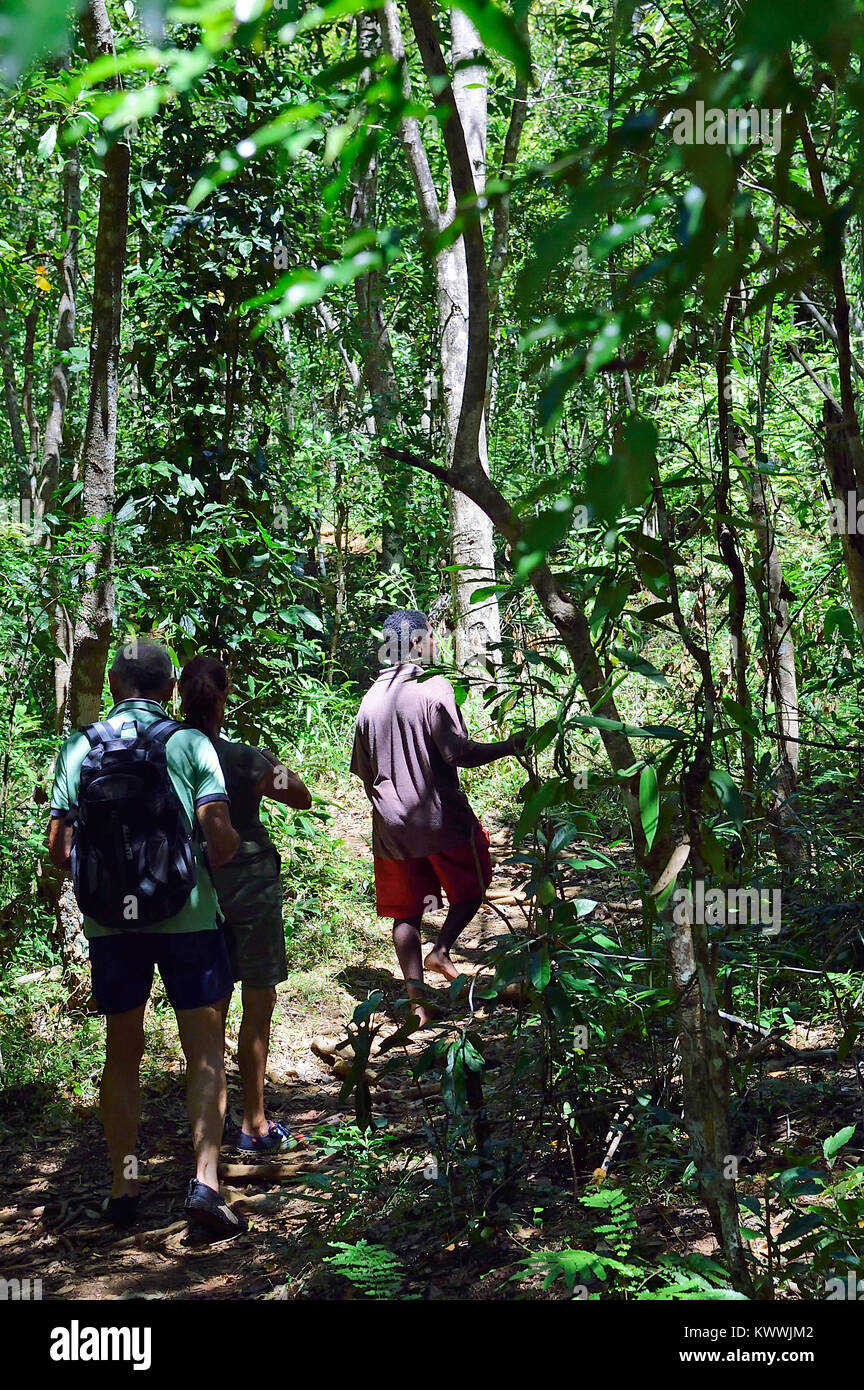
436 470
817 381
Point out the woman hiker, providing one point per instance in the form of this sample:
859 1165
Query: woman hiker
249 887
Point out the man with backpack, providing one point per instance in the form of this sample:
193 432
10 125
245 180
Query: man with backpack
139 815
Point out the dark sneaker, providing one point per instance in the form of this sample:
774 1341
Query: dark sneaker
208 1211
121 1211
276 1140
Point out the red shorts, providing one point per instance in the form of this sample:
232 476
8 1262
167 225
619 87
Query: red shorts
410 887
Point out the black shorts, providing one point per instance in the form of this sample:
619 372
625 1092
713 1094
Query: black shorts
194 967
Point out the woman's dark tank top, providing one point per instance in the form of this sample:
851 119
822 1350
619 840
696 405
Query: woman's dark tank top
243 767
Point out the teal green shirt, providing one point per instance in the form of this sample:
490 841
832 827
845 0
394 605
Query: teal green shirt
193 766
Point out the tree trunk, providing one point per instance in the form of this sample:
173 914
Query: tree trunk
58 399
92 629
780 654
375 345
13 408
500 249
464 356
96 616
774 615
28 406
478 625
844 454
842 447
727 544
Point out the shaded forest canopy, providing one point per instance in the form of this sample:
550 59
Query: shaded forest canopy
546 319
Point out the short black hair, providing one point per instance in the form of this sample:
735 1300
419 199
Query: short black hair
144 668
406 620
399 631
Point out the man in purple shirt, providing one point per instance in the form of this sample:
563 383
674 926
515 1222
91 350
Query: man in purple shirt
409 741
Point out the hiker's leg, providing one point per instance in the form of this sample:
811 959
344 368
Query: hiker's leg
119 1096
465 871
253 1045
202 1035
456 921
406 939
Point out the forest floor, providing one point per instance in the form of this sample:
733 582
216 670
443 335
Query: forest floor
332 1188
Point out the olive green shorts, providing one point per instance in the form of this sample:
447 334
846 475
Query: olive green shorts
250 896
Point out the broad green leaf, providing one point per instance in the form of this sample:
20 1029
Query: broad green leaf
599 721
728 795
47 142
847 1042
541 534
539 968
534 808
839 619
649 804
740 716
835 1142
638 664
619 232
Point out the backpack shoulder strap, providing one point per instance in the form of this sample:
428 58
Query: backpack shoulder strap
162 729
100 732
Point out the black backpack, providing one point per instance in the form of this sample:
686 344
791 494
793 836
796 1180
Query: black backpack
133 861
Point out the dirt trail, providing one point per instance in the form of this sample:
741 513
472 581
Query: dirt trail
53 1166
54 1170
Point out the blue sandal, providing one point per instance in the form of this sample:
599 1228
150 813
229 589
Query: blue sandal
276 1140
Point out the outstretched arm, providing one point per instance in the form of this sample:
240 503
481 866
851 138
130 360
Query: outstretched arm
281 784
457 749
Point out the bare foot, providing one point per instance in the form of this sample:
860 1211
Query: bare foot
423 1015
441 964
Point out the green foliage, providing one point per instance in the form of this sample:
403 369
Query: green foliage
821 1206
275 234
619 1267
372 1269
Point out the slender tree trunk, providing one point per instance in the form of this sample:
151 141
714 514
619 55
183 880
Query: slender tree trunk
55 435
844 455
693 965
92 629
13 408
460 272
780 654
58 397
727 543
94 622
478 625
500 249
375 345
774 614
27 404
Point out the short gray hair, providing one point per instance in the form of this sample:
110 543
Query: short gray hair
143 667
